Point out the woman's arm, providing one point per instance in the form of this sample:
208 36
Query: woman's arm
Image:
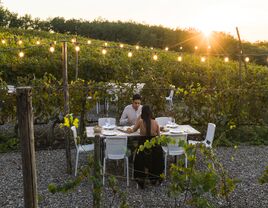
136 127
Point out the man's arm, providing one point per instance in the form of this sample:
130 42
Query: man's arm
124 118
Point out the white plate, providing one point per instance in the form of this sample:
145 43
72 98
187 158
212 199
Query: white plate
111 127
172 125
176 131
109 133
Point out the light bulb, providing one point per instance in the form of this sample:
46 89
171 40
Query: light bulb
106 44
21 54
152 48
155 57
51 49
73 40
179 58
196 47
129 54
55 42
209 47
89 42
104 51
38 42
121 45
203 59
77 48
166 48
181 48
226 59
3 41
20 42
247 59
137 47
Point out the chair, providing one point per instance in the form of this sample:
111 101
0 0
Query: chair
80 148
162 121
116 149
174 149
209 136
105 121
169 99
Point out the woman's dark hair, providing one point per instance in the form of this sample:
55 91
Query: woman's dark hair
146 115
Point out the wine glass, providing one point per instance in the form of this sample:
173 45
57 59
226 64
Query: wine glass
173 120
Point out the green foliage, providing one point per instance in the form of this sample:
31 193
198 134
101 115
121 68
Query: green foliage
8 144
191 182
264 178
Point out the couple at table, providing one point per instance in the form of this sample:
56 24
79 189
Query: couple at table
148 162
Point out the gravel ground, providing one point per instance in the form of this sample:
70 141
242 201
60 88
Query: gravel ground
248 164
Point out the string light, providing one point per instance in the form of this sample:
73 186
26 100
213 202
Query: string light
104 51
209 47
21 54
152 48
203 59
129 54
38 42
166 48
3 41
196 47
89 42
226 59
137 47
51 48
181 48
247 59
55 42
180 58
155 57
73 40
121 45
106 44
20 42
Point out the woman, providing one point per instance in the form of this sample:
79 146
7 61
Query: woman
148 162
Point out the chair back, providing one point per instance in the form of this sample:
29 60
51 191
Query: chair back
116 147
106 121
173 148
171 94
210 134
73 128
162 121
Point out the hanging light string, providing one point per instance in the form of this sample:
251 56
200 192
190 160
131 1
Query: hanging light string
41 43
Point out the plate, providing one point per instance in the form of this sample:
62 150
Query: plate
109 133
172 125
110 127
176 131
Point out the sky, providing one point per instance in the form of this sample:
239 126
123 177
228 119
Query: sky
205 15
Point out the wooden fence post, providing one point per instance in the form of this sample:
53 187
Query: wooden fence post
66 106
26 136
96 174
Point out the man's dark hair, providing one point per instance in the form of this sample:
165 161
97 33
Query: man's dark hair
136 97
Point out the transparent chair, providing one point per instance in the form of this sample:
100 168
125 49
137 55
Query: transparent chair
209 136
162 121
106 121
116 149
173 149
80 148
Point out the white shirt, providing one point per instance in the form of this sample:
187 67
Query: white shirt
130 115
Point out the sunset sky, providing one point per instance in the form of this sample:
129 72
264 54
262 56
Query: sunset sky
206 15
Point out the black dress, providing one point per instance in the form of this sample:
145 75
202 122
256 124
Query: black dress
150 159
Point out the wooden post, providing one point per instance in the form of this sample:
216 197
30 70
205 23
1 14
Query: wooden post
96 174
66 106
26 136
76 65
241 55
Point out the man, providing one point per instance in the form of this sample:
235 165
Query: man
131 112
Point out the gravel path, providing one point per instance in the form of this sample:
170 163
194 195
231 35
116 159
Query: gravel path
248 164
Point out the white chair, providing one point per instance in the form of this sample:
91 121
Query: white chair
169 99
209 136
80 148
174 149
106 121
116 149
162 121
